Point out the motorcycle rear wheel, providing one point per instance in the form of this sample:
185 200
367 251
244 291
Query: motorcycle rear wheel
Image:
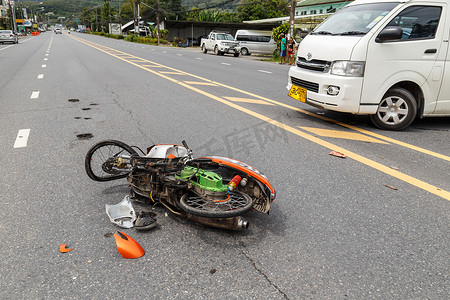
101 160
238 204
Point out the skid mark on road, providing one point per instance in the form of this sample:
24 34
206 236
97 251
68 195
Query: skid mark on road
189 84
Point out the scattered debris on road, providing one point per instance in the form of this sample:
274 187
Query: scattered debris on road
391 187
85 136
338 154
127 246
63 248
122 214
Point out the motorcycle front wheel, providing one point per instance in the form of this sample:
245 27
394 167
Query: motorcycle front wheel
238 204
108 160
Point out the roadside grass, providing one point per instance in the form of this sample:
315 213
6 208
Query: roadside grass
133 38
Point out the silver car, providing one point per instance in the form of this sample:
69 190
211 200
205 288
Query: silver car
8 36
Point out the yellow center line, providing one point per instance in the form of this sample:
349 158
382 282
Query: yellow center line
382 168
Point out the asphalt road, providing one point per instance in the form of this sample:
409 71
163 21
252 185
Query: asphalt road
374 225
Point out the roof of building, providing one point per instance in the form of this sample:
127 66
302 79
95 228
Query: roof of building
320 2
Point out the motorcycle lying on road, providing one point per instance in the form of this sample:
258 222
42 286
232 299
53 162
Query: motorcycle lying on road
214 191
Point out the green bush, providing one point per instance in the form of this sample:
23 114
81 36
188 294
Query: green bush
283 28
120 37
131 37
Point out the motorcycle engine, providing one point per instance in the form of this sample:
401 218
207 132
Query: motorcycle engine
206 184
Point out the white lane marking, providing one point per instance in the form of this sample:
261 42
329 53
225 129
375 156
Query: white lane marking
22 138
28 39
153 49
44 66
46 54
265 71
45 58
164 52
179 54
40 76
34 95
199 58
6 47
226 64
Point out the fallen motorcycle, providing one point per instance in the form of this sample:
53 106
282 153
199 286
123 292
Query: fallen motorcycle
214 191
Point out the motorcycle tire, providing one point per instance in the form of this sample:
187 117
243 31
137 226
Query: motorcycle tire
99 160
238 204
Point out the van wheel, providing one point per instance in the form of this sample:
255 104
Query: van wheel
236 54
244 51
204 49
396 111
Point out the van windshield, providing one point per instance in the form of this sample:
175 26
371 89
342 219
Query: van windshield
355 19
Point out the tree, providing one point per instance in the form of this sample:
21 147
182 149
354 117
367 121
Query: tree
126 12
283 28
262 9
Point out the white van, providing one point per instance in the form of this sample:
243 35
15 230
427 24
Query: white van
255 41
389 59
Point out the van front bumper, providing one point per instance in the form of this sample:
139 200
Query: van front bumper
317 84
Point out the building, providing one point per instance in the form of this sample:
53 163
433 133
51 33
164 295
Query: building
308 14
197 29
3 9
318 7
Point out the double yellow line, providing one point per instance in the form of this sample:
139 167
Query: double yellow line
134 60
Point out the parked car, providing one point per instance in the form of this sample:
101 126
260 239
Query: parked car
255 41
8 36
220 43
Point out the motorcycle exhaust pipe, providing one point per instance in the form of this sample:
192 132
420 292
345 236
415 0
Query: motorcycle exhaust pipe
235 223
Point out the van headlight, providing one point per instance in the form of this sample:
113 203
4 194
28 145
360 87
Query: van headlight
348 68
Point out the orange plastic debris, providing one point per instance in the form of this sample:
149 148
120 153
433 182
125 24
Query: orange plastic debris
391 187
64 249
171 156
338 154
128 247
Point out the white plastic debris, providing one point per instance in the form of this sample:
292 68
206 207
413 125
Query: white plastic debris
122 214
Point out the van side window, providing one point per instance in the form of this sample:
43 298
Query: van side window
253 38
418 22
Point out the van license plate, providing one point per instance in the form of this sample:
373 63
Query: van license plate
298 93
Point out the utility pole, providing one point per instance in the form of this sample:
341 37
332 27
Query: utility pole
109 11
120 19
101 19
96 20
292 18
136 26
157 20
13 16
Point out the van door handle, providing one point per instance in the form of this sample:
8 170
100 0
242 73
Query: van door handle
431 51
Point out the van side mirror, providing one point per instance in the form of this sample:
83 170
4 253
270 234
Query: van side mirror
389 34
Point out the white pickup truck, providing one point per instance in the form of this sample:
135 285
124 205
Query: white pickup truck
220 43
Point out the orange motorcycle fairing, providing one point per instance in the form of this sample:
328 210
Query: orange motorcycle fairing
127 246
